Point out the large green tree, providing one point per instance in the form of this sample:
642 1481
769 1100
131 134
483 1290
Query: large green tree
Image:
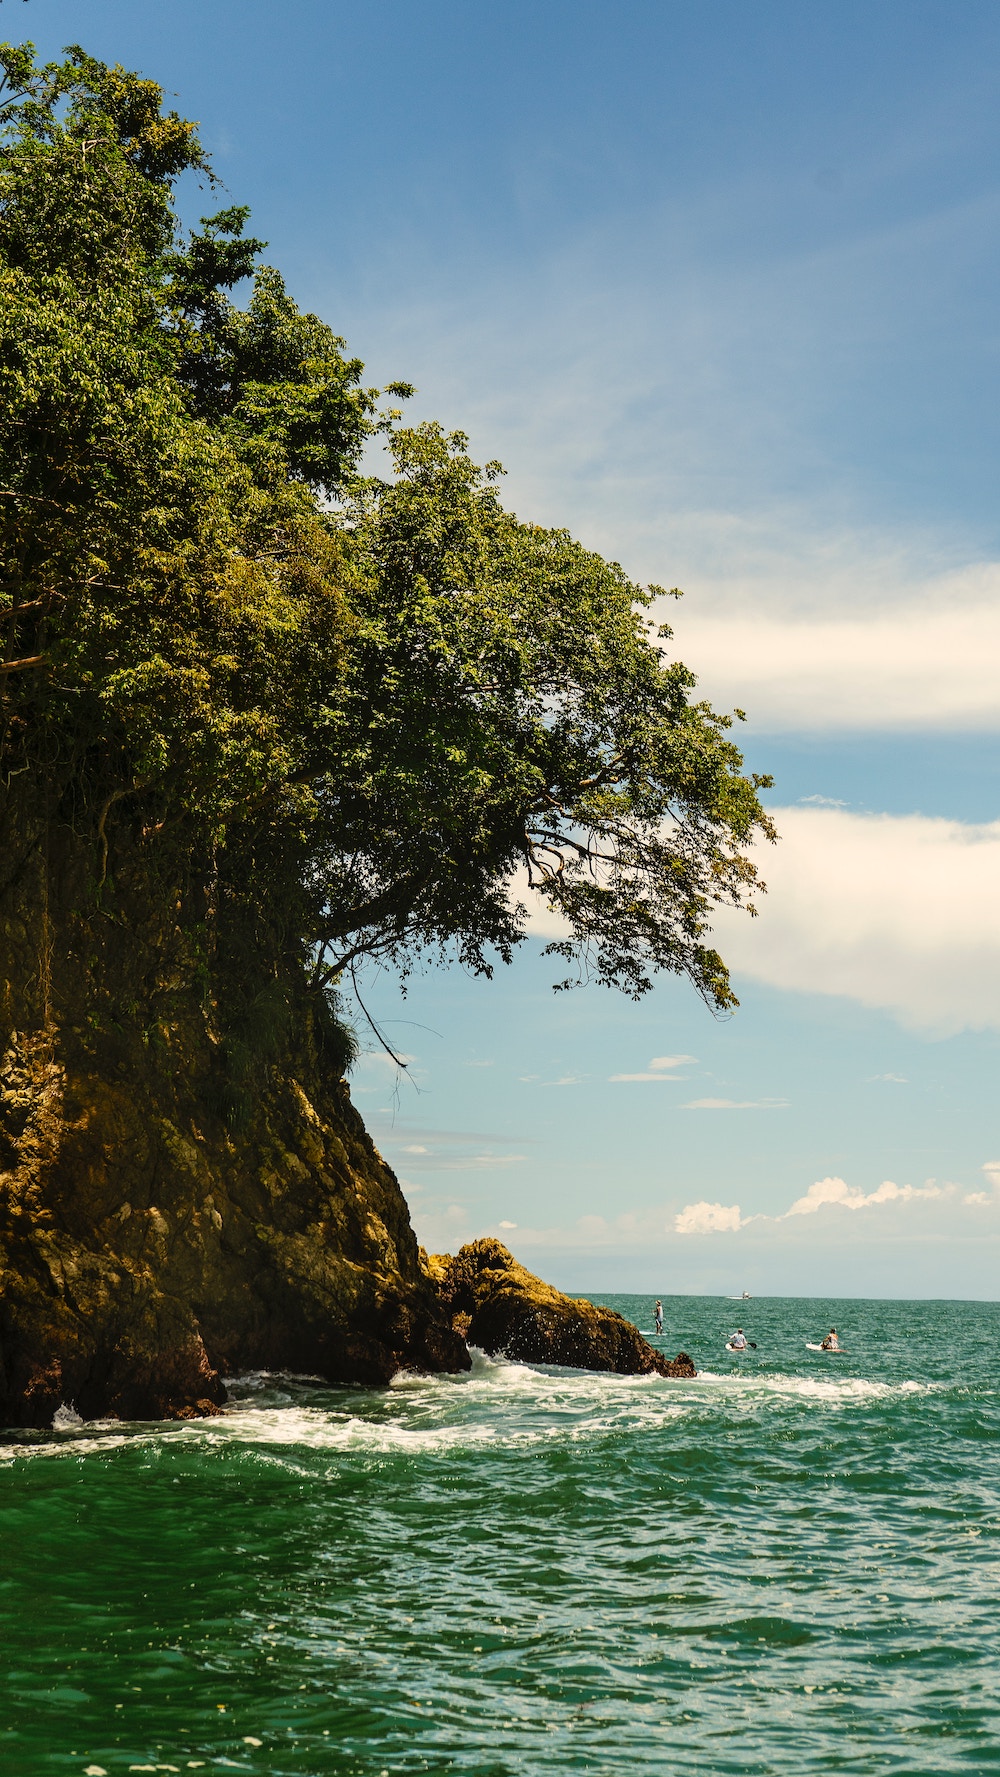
337 709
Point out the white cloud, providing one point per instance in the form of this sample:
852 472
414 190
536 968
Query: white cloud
836 1191
891 1079
812 1223
828 1193
736 1104
992 1171
708 1218
927 664
899 912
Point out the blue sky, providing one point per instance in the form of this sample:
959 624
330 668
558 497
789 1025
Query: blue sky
719 285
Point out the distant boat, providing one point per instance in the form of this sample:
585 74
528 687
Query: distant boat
746 1297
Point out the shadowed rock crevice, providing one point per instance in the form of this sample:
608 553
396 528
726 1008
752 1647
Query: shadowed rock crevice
507 1311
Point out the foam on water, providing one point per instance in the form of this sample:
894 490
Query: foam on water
523 1571
498 1402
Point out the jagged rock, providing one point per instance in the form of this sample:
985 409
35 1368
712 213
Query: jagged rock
154 1240
505 1310
143 1257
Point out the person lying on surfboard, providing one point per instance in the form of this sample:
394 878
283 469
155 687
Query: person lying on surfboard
831 1342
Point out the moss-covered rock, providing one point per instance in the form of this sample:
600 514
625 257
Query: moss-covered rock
153 1238
504 1309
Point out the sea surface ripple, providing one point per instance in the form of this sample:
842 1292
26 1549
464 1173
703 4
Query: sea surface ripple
789 1565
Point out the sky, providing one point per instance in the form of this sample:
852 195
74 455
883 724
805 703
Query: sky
719 285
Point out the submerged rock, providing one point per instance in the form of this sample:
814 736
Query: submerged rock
505 1310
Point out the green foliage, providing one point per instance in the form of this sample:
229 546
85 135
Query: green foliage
349 708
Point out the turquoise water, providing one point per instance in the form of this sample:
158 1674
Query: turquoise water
787 1566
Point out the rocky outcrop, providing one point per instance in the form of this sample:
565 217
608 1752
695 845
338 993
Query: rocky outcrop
145 1255
186 1190
506 1310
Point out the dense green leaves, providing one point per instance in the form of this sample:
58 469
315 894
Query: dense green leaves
364 706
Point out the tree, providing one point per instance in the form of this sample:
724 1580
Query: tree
318 716
262 717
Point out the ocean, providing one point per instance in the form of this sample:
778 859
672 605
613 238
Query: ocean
787 1566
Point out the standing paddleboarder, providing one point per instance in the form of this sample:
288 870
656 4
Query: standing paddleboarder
658 1316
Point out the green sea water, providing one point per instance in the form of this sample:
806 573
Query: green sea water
789 1565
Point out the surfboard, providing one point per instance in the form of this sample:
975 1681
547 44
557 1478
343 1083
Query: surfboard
827 1350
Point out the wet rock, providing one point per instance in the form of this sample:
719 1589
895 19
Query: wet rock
504 1309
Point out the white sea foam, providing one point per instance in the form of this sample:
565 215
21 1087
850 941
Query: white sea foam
498 1403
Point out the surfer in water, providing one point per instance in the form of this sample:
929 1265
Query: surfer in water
831 1342
658 1317
738 1342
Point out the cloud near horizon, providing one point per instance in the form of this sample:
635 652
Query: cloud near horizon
836 1191
649 1230
718 1218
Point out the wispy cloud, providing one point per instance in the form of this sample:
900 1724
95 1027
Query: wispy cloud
736 1104
661 1067
426 1157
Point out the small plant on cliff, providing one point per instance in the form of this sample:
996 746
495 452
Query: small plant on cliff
272 715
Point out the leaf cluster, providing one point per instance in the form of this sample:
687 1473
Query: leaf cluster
365 706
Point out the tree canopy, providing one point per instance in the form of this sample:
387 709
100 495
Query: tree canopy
360 704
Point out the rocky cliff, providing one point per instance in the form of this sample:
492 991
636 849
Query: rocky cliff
186 1190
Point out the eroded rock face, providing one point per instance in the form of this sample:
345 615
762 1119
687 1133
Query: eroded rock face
145 1256
505 1309
184 1194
